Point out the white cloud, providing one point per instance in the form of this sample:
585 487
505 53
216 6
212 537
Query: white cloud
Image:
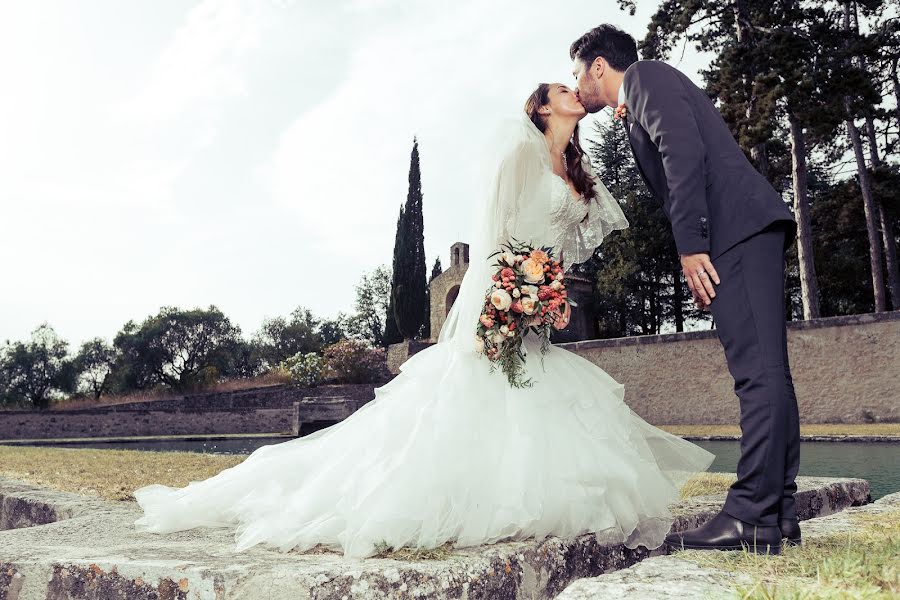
202 64
248 154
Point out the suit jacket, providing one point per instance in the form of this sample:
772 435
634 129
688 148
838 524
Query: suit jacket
691 163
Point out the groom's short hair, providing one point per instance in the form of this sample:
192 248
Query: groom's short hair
615 46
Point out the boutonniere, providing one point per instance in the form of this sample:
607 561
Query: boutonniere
621 112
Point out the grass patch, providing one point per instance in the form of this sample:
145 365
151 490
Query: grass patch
850 429
704 484
860 564
108 474
114 474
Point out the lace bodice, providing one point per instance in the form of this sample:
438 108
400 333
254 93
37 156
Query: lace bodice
567 223
567 211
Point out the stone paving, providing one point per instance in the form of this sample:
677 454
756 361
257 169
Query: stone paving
61 545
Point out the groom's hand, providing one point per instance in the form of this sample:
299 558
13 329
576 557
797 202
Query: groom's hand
700 275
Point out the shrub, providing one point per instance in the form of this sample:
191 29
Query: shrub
353 361
304 369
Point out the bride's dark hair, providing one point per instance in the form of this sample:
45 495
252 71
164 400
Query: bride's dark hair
584 183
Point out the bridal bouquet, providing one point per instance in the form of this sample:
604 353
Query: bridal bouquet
528 295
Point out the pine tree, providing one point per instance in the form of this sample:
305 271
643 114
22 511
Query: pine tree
854 80
638 277
409 294
787 49
883 70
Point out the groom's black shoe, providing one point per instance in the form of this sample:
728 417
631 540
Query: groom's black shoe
724 532
790 530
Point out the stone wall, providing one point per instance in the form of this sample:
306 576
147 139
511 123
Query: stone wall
844 368
258 410
272 396
106 423
398 353
442 290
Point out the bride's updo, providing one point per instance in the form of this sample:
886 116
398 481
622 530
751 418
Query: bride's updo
582 180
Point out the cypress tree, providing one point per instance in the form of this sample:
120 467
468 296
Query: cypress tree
409 294
436 270
391 333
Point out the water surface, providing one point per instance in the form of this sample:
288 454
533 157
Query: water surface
877 462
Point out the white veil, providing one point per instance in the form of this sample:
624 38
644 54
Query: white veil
516 204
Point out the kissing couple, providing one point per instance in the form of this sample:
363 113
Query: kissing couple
449 452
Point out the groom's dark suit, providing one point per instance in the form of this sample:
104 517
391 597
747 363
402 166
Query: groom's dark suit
719 204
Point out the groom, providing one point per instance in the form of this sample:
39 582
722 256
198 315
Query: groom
731 229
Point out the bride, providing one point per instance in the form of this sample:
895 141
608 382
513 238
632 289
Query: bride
448 451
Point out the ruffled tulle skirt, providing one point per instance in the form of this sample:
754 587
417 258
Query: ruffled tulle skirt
447 451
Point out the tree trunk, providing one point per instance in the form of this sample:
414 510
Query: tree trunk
742 26
678 300
866 190
884 222
645 308
887 231
809 286
870 211
896 81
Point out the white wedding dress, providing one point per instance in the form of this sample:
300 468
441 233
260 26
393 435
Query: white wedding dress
447 450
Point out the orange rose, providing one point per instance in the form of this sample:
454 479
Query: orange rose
533 270
540 256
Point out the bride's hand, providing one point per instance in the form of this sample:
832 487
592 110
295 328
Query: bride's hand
562 321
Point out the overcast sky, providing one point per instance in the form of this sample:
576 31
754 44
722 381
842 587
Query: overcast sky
251 155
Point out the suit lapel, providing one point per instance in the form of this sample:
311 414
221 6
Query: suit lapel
634 130
637 158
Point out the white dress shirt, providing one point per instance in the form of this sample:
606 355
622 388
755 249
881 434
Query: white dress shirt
622 101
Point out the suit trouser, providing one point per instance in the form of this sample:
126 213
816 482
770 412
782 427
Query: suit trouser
750 321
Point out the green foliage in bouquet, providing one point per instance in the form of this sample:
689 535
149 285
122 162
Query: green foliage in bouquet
526 297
